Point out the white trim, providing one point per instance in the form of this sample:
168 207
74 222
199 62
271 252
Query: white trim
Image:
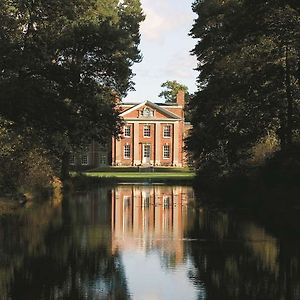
152 105
146 159
152 121
149 127
127 126
83 163
170 131
124 151
169 150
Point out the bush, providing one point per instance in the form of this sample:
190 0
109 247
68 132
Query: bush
24 166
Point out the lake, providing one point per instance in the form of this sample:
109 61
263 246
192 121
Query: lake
147 242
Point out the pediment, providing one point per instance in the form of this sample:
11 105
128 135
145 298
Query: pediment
148 110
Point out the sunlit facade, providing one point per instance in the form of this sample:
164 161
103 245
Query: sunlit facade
153 135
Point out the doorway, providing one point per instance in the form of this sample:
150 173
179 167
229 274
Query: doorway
146 153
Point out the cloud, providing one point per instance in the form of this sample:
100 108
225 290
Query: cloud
161 18
181 66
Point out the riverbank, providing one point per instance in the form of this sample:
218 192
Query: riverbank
8 206
260 190
138 175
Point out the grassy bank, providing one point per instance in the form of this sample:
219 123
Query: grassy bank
118 174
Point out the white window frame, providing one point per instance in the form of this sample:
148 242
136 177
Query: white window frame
103 159
166 151
145 129
167 131
84 159
127 150
127 128
72 159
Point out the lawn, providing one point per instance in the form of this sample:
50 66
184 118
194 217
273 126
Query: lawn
126 174
140 170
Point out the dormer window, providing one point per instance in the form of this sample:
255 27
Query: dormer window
147 112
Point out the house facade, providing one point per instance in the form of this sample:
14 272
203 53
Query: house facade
153 135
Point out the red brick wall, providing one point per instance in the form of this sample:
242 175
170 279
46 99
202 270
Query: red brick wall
151 140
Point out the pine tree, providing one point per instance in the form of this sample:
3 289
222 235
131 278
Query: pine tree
248 54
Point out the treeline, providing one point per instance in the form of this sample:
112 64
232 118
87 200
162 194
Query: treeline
248 55
63 64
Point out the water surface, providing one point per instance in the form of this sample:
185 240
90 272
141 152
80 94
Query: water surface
146 242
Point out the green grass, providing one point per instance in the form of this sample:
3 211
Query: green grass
142 176
140 170
134 174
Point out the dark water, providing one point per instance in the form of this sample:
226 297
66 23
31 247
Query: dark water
148 243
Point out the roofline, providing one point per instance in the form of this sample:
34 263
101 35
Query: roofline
151 104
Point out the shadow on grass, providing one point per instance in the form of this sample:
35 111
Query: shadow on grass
83 181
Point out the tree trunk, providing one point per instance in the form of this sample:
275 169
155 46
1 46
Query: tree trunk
289 98
65 165
285 132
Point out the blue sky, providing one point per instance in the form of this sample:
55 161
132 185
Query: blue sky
165 46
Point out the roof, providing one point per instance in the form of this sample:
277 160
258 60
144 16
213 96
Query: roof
152 105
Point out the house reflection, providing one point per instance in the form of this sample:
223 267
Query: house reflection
151 217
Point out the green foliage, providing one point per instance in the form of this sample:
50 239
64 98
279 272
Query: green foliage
171 89
248 54
25 166
62 63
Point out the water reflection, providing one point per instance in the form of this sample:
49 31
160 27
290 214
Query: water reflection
146 242
148 227
150 217
239 259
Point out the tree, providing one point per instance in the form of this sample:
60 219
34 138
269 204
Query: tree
171 89
248 54
62 63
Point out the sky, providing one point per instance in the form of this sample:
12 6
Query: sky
165 46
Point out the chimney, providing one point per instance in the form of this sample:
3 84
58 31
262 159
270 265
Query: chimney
180 98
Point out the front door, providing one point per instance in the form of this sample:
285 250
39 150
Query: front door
146 154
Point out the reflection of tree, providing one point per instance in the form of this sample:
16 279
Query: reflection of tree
73 259
22 234
241 261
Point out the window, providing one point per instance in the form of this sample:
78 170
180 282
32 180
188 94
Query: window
127 130
167 131
103 159
146 199
127 151
72 159
84 159
166 201
126 201
146 151
146 131
166 151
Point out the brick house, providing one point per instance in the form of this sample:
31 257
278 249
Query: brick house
153 135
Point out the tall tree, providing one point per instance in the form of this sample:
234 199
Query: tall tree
171 89
62 63
248 53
